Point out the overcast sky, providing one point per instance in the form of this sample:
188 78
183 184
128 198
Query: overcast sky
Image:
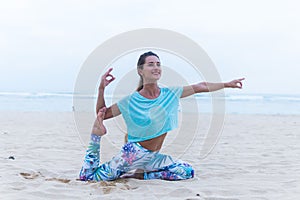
44 43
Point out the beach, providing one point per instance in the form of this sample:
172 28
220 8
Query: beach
241 135
256 157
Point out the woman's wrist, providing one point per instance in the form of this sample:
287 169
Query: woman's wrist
101 89
226 85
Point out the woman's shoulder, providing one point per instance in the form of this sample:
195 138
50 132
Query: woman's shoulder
173 90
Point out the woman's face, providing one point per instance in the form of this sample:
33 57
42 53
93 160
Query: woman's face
151 71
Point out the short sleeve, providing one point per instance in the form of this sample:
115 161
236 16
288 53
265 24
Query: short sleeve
123 104
177 91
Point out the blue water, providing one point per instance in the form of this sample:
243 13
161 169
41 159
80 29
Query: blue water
235 103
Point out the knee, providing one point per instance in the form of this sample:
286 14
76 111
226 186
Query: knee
84 175
189 170
186 170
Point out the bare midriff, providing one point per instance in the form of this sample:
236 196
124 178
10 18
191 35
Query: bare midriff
154 144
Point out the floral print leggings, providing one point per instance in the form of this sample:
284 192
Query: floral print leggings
132 156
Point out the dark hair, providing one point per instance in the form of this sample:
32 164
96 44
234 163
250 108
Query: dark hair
140 64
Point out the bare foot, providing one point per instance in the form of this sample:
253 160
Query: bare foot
99 128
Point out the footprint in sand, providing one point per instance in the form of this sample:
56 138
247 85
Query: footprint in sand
29 176
38 174
58 179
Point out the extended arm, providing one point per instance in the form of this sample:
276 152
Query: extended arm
210 87
113 110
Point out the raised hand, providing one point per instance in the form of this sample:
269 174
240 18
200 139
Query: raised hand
237 83
106 79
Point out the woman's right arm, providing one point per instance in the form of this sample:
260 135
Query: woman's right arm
113 110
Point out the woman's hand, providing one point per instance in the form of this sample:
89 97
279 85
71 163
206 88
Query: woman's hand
106 79
237 83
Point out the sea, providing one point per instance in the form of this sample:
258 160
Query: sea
265 104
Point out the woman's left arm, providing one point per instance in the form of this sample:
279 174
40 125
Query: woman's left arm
210 87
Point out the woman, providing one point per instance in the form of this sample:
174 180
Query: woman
149 114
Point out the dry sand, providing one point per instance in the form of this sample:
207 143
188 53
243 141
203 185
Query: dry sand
257 157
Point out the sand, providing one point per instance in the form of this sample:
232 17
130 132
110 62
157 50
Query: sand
257 157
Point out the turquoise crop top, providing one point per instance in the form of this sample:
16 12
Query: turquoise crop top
150 118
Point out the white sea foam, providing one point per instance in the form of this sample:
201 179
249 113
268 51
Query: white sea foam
235 103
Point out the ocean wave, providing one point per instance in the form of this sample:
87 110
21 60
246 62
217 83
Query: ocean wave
235 103
207 96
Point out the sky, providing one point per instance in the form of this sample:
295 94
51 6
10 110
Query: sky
43 44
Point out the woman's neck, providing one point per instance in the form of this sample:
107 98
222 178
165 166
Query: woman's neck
150 91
